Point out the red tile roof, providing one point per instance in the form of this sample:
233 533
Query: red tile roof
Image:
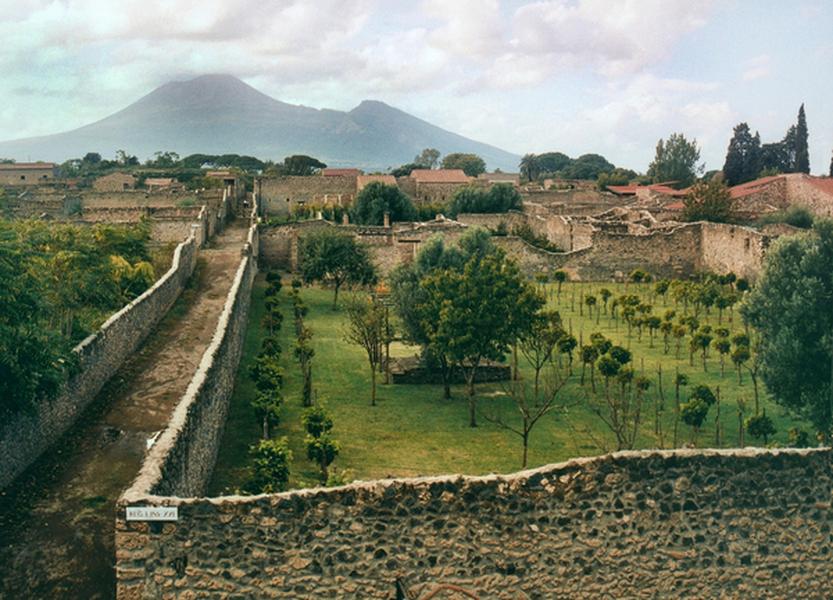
750 187
440 176
341 172
825 184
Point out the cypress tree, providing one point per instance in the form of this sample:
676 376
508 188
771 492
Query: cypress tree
831 166
743 158
802 153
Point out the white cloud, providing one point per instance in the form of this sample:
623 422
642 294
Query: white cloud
757 67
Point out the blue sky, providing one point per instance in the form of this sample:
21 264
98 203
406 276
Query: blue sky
576 76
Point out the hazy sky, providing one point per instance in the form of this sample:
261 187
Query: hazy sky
607 76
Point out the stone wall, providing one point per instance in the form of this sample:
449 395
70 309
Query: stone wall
182 459
279 194
817 198
25 436
730 248
685 524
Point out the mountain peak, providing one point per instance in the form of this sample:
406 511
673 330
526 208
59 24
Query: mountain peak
220 114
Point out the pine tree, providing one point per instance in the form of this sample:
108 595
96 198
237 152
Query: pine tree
802 153
743 158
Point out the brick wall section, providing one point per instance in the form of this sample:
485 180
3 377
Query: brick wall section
24 437
686 524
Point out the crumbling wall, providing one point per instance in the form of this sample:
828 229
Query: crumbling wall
684 524
24 436
733 249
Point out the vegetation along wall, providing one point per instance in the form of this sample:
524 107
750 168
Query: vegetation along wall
28 434
685 523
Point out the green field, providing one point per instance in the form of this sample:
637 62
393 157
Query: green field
413 431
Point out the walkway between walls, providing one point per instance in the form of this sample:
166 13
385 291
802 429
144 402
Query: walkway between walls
56 520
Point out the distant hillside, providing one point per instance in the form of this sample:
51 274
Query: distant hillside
218 114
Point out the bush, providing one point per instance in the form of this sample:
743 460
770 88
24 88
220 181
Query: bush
376 199
270 466
797 216
499 198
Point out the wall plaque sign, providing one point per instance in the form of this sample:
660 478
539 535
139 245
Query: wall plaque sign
152 513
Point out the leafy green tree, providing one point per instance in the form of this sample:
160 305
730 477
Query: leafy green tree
693 413
408 297
428 158
499 198
790 309
406 169
304 353
551 163
760 426
317 421
366 327
743 158
538 343
587 166
376 199
270 466
676 160
529 167
322 451
335 259
477 312
471 164
708 201
802 152
302 165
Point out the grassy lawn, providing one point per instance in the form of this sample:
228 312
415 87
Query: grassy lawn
413 431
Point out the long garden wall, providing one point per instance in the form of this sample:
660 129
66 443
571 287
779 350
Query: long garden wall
181 460
25 436
684 524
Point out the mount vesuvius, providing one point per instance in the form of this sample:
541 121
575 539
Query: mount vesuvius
220 114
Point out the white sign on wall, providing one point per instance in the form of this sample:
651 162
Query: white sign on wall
152 513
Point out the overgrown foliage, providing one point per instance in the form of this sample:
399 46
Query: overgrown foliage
58 283
333 258
498 198
376 199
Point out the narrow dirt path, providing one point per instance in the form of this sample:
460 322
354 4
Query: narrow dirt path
56 520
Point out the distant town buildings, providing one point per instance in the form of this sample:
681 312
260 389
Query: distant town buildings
115 182
27 173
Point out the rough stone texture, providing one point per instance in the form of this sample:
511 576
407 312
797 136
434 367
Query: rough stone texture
181 460
730 248
653 524
25 436
279 194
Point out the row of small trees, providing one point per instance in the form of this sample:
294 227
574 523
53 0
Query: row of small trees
271 457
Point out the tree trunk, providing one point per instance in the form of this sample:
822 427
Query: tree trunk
472 406
335 294
265 427
526 446
372 385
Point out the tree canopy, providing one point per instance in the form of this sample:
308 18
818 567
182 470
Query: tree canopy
428 158
336 259
301 164
498 198
676 160
743 158
471 164
376 199
790 309
708 201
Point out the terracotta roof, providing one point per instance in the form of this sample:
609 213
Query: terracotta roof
27 166
440 176
363 180
750 187
507 177
341 172
216 174
825 184
160 181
